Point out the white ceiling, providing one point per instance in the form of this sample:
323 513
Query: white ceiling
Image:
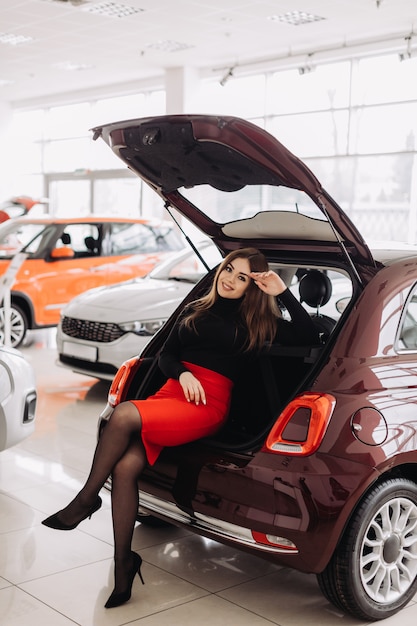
218 34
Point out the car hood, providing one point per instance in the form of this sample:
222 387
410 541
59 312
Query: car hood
228 154
123 302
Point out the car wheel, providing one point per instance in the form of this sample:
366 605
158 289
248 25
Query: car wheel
373 573
18 325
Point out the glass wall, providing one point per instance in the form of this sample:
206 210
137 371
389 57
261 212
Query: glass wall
354 122
55 157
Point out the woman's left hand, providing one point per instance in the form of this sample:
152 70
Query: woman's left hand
269 282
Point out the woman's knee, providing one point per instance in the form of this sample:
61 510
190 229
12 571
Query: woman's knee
122 470
128 468
126 413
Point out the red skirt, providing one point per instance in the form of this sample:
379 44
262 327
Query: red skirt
169 420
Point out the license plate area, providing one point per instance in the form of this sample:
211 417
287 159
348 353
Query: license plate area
88 353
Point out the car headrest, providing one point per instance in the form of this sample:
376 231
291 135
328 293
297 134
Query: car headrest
315 288
91 243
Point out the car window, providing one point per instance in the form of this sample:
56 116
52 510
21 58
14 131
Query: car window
407 339
191 268
132 239
41 241
167 238
83 239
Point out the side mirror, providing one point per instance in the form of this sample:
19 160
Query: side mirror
62 253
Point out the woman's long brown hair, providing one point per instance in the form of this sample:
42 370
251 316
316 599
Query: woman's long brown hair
258 310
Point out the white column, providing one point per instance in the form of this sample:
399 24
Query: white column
181 84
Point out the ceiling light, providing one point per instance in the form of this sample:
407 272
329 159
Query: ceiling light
68 66
227 75
74 3
409 52
308 66
112 9
168 45
295 18
4 82
305 69
14 40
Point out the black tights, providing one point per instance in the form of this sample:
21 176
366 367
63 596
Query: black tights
119 452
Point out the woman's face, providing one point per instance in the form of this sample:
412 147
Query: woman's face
234 279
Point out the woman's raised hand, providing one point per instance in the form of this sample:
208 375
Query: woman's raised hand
192 388
269 282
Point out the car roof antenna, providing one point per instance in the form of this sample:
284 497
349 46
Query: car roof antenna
188 240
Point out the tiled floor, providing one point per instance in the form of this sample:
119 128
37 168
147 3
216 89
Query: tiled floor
48 578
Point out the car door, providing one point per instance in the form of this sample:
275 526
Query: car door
60 269
83 255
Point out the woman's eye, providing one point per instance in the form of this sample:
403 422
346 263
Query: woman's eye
242 278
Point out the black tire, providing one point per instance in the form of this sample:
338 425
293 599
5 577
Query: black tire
326 583
18 325
373 573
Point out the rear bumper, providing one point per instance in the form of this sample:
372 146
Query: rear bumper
208 526
17 419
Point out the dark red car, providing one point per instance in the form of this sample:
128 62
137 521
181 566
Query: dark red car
316 467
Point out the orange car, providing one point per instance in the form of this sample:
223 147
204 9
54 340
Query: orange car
67 256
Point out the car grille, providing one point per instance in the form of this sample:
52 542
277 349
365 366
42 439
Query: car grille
91 331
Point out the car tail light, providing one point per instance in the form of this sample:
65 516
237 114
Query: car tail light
301 426
282 543
117 392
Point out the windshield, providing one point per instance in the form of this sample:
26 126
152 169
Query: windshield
15 235
188 267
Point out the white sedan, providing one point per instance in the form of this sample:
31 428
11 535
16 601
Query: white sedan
103 327
17 398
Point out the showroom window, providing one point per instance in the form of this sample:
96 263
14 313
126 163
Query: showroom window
80 176
323 88
355 131
397 84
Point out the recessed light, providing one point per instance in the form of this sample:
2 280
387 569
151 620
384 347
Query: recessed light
168 45
14 40
295 18
68 66
74 3
112 9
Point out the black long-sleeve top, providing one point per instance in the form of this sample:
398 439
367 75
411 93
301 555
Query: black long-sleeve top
220 341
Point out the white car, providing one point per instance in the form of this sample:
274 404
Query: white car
103 327
17 398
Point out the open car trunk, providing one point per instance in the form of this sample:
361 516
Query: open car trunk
239 185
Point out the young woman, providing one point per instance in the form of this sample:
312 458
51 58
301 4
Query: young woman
204 353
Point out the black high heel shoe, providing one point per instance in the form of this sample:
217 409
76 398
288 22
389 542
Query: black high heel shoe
54 522
116 599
